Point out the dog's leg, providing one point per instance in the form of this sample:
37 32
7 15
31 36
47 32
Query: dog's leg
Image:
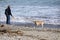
35 24
42 25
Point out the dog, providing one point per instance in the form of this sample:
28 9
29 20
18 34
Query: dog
38 22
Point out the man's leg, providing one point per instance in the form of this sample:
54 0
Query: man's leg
8 19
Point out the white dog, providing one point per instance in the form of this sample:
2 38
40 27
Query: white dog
38 22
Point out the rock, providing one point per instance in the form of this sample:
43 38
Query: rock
2 26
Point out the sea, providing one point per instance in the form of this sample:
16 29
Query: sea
25 11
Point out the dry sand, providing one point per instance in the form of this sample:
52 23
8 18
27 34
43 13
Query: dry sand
29 33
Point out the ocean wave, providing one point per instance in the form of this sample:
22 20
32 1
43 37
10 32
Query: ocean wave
30 20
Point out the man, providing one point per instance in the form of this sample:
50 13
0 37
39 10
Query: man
8 14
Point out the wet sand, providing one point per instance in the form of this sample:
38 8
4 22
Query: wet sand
29 33
32 25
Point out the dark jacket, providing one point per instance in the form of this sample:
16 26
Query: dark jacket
8 11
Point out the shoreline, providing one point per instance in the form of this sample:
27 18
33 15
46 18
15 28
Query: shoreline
32 25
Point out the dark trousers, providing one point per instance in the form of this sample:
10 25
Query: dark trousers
8 19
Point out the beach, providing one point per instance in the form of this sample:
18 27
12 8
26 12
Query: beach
23 27
28 33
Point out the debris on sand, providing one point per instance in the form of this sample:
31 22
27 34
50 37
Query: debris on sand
11 32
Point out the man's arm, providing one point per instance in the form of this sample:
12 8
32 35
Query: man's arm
11 13
6 12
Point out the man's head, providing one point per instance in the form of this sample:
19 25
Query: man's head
8 6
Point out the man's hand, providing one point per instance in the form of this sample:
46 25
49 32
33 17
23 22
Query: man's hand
13 17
